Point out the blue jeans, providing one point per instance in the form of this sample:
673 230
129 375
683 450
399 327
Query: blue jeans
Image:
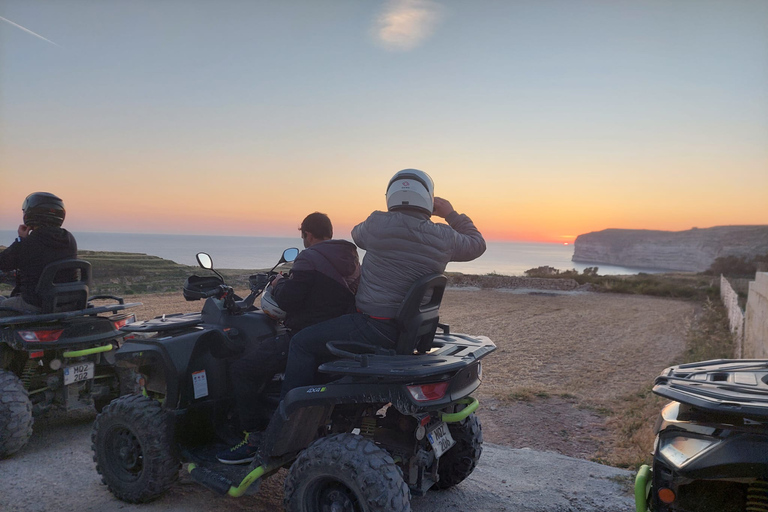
307 350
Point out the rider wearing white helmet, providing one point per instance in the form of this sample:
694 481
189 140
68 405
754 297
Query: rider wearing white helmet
402 245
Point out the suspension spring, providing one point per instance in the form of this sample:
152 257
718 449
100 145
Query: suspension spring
757 496
30 368
368 427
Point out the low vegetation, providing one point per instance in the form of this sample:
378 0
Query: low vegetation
672 285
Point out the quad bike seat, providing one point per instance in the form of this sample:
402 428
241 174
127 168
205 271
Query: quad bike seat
63 286
417 322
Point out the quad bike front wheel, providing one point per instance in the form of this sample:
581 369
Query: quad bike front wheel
132 443
15 414
458 463
345 472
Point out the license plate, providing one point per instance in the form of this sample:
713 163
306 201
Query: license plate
441 439
78 372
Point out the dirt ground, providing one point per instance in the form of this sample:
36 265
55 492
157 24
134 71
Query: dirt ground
565 361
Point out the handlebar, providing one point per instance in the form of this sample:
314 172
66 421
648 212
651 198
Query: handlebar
218 292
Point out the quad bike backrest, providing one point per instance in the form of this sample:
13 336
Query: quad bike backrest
418 316
63 286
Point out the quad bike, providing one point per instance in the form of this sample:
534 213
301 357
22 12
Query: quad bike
61 357
711 449
384 425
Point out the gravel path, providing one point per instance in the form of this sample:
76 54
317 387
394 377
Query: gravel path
55 473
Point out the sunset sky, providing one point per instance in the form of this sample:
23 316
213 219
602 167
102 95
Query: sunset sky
540 119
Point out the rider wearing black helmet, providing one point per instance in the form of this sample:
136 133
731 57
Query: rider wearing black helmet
41 241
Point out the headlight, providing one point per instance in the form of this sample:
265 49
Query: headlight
679 450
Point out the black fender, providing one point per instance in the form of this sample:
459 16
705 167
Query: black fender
180 360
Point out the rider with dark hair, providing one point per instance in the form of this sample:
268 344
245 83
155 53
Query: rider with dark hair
321 285
41 241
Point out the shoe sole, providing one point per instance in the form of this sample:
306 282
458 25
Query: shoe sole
235 462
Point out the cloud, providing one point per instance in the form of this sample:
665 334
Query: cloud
404 24
28 31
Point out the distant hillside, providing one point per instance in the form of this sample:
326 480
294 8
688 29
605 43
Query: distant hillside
693 250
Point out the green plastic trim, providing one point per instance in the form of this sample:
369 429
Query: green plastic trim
238 491
251 477
88 351
472 406
642 482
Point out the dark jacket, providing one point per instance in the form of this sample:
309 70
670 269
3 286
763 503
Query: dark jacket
321 285
28 256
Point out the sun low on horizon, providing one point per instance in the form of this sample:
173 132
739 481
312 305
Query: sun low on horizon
539 122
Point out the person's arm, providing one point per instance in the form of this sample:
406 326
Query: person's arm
361 234
468 243
291 292
9 257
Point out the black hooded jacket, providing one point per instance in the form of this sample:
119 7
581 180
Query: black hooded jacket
28 256
321 285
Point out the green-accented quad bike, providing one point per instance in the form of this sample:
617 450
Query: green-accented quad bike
62 357
384 426
711 449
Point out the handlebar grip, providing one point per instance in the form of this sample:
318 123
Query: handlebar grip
213 293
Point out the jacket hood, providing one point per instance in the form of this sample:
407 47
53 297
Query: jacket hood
342 256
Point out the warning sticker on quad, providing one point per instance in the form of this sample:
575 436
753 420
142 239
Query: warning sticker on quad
441 439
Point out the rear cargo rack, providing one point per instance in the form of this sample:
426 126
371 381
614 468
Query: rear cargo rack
450 352
730 386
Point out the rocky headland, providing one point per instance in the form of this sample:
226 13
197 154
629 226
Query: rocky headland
693 250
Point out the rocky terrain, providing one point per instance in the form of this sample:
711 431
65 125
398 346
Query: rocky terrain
693 250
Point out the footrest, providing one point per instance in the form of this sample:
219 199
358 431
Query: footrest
212 480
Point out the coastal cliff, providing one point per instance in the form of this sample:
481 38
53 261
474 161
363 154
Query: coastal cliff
693 250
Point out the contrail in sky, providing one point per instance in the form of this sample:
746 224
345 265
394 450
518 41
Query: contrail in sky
27 30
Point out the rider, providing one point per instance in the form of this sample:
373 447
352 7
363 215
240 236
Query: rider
41 241
321 285
402 245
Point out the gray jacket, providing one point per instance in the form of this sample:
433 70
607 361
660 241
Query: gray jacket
401 247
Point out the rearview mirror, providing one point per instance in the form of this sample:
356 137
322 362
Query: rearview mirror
290 254
204 260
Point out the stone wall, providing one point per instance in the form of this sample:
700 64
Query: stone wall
735 315
756 319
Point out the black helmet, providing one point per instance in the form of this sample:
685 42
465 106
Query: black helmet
43 209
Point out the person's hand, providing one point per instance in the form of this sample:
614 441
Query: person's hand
442 207
277 278
24 231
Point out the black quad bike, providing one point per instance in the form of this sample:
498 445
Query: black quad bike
61 357
711 449
383 426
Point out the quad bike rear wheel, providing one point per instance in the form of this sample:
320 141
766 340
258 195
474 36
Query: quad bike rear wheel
345 472
132 443
15 414
458 463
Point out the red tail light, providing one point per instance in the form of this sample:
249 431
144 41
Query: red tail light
124 322
427 392
41 336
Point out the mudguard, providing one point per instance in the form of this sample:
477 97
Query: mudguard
185 362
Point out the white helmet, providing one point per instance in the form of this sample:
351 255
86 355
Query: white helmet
269 305
411 188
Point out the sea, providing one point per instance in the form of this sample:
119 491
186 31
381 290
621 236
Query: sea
258 252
